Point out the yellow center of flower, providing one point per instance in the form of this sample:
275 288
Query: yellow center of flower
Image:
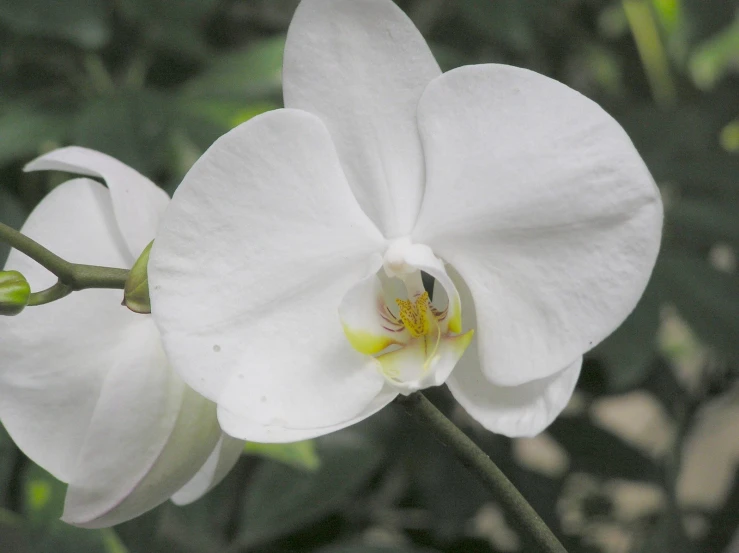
416 346
415 315
421 321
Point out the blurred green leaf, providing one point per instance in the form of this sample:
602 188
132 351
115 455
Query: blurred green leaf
180 39
43 496
301 455
173 27
233 115
714 58
166 10
723 523
681 146
141 534
281 500
132 127
669 13
43 502
447 57
371 549
666 388
663 136
507 21
24 131
8 456
704 222
708 299
211 522
729 137
627 354
237 87
597 451
450 501
11 213
652 52
84 22
113 543
14 536
192 134
705 18
708 175
241 77
669 535
203 122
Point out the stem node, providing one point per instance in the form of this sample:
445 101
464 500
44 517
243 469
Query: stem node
72 276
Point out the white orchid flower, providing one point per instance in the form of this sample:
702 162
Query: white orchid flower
85 388
274 276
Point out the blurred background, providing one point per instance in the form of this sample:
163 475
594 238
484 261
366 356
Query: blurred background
644 459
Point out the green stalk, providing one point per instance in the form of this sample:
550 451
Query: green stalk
72 276
651 51
56 292
478 462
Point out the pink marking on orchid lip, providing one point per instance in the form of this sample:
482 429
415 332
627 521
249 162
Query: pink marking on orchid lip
391 329
389 318
440 315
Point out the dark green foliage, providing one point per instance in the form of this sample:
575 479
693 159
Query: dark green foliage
155 82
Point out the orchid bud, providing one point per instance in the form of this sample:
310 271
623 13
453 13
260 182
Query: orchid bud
14 292
136 290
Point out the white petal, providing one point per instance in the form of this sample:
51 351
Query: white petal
55 357
84 387
523 410
138 203
148 436
514 411
368 323
261 241
361 66
221 460
238 425
540 201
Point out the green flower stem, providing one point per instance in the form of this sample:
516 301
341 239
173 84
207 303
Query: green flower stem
56 292
477 461
72 276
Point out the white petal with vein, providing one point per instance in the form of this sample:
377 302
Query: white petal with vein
539 200
259 246
361 66
137 202
56 356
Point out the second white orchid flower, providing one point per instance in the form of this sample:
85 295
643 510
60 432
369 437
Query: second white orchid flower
85 387
287 275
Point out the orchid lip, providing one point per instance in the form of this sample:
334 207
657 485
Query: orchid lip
415 343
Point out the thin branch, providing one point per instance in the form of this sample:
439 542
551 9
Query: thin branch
61 268
74 276
478 462
56 292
